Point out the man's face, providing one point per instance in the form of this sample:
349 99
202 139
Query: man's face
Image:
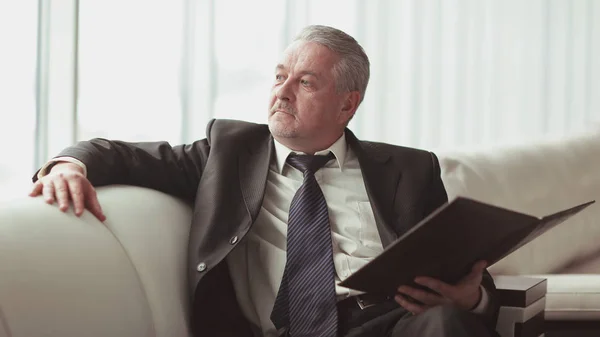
304 103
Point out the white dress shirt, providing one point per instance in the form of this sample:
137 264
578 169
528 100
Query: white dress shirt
256 264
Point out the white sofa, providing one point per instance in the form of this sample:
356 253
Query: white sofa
63 276
541 178
66 276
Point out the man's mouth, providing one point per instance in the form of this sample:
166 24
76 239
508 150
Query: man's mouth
283 111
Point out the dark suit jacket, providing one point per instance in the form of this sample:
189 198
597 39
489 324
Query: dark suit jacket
225 176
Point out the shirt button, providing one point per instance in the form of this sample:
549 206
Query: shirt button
201 266
233 240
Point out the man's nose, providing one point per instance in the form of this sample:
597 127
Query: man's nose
284 91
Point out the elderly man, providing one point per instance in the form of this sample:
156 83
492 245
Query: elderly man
284 212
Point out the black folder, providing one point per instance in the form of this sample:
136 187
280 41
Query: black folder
447 243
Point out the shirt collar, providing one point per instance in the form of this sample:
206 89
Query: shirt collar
339 150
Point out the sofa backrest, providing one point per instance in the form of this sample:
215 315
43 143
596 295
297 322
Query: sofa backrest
537 178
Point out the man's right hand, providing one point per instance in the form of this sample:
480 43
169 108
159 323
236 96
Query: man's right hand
65 183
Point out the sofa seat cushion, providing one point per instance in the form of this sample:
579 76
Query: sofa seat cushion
586 265
572 297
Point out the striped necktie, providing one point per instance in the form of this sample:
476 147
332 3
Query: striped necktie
306 301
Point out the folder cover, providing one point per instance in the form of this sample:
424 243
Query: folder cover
447 243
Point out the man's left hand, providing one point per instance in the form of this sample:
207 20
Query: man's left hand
466 294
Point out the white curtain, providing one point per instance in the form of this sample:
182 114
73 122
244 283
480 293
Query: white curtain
445 73
460 73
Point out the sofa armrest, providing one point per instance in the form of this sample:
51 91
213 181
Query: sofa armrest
523 301
62 275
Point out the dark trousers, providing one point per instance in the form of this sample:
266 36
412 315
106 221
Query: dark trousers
390 320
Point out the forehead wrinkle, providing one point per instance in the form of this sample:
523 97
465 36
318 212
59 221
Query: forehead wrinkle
297 60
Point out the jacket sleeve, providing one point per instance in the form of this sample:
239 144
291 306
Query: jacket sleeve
437 197
175 170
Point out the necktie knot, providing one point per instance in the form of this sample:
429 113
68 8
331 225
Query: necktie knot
306 162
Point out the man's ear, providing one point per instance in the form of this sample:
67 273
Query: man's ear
351 101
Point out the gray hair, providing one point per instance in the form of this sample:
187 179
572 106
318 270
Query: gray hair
351 73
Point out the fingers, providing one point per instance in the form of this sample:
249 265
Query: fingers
465 294
84 196
37 189
442 288
479 267
476 274
94 206
61 192
425 297
409 305
48 192
66 187
76 190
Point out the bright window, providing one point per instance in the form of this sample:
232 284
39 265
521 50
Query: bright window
129 66
18 38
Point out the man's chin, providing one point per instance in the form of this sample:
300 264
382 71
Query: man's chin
279 129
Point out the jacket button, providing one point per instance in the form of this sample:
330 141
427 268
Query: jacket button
201 266
233 240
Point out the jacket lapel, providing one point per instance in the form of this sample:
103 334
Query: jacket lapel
253 169
381 179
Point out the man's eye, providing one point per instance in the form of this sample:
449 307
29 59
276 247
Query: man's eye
279 77
304 82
